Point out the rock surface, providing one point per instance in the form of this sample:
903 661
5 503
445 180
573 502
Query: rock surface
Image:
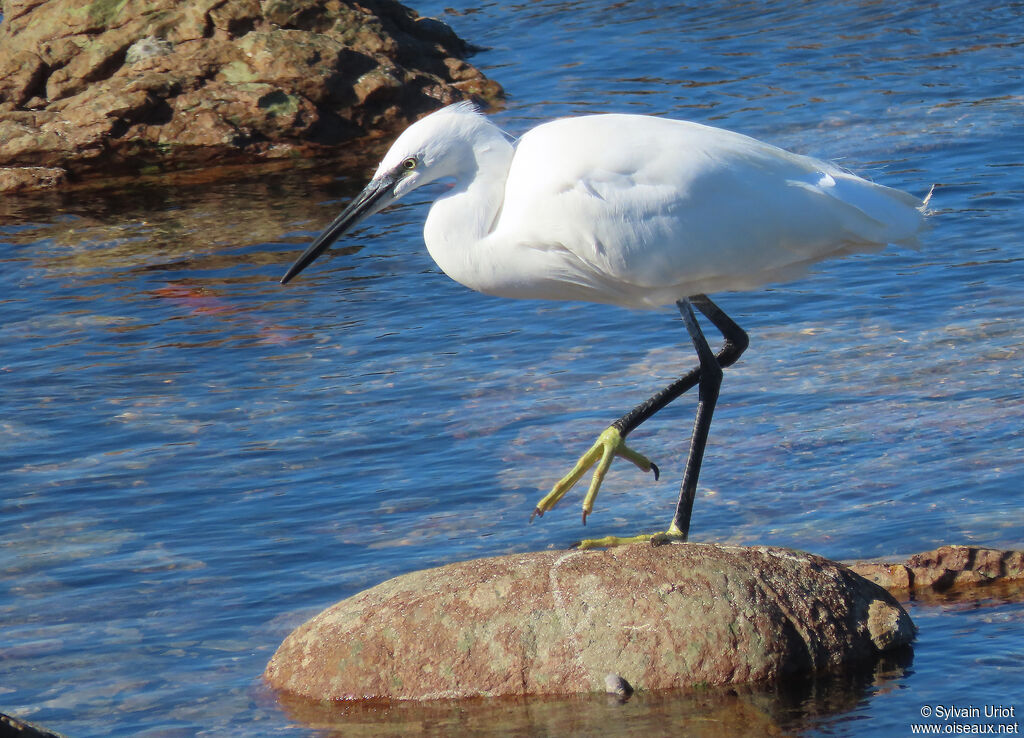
559 622
113 86
12 727
949 570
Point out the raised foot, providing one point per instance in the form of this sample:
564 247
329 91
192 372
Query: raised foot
608 445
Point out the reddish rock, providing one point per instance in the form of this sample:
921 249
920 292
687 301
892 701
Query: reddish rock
561 622
950 570
117 87
13 179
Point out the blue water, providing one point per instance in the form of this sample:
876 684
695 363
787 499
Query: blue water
194 459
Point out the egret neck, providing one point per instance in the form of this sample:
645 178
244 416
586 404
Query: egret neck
460 221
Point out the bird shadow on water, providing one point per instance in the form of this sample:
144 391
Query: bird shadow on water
790 706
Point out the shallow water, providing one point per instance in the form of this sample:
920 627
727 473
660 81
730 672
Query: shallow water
195 459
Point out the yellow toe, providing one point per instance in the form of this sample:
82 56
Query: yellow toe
608 445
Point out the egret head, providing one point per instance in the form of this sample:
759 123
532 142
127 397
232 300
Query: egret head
445 143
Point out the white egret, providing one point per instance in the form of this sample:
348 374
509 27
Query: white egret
628 210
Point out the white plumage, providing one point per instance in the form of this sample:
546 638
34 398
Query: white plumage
629 210
634 210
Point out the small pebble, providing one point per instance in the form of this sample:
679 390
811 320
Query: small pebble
616 685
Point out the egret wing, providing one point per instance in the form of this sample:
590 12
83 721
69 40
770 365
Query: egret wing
662 209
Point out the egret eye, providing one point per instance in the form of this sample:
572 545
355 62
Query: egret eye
410 163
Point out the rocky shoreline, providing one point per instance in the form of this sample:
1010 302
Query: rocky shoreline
100 89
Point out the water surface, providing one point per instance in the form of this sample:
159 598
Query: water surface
195 459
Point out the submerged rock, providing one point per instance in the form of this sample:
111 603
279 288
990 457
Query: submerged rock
92 87
560 623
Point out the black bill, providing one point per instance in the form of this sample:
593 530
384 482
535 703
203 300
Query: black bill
376 196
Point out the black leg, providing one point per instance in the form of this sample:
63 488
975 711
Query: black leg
709 384
736 342
708 376
611 442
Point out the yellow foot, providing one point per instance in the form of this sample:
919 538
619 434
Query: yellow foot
609 445
672 535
